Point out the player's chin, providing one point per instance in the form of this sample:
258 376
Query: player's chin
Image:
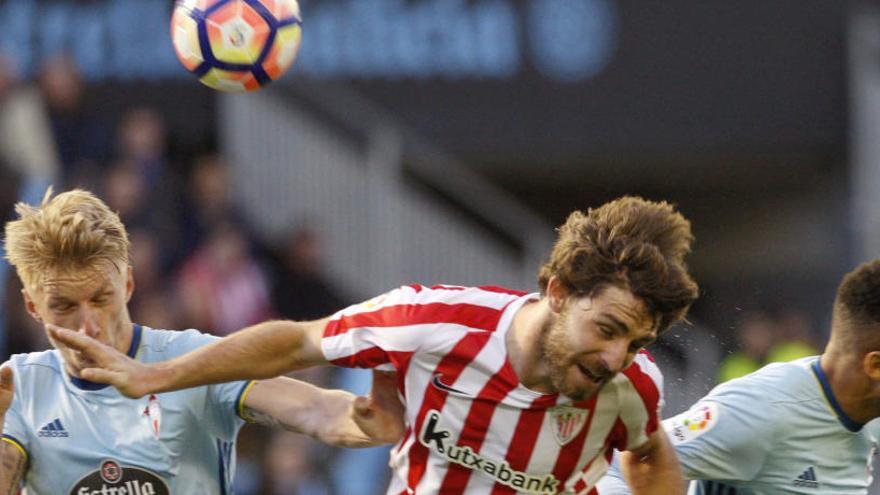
578 390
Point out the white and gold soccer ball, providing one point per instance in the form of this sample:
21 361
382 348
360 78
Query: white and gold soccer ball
236 45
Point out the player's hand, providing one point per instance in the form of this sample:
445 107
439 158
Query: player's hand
7 389
380 415
130 377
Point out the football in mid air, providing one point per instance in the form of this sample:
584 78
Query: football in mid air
236 45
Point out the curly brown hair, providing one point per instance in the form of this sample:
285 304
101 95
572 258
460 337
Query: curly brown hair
631 243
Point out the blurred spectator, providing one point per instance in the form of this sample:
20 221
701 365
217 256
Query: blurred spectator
127 192
208 195
141 140
300 291
26 142
221 287
151 304
144 187
756 335
210 203
288 470
795 334
82 135
251 445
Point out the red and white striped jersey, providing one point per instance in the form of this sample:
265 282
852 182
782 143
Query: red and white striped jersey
472 427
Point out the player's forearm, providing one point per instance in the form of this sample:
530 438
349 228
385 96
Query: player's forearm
12 467
300 407
261 351
339 428
652 479
653 473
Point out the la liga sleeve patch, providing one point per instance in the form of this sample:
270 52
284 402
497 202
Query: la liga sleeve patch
692 423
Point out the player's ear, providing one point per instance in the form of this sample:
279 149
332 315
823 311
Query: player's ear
30 306
871 364
557 293
129 283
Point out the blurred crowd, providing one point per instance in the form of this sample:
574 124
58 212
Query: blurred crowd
197 265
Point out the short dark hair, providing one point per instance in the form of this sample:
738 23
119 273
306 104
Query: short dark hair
632 243
858 296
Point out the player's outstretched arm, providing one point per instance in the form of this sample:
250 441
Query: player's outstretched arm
653 469
335 417
265 350
13 462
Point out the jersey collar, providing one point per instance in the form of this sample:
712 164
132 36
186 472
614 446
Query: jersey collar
845 420
132 350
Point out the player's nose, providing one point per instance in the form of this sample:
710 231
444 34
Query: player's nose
614 355
88 324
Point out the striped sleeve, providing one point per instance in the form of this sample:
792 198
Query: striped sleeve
641 401
384 332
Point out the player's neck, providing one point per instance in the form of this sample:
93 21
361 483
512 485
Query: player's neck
523 345
850 387
127 335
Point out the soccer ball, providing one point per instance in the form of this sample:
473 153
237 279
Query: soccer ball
236 45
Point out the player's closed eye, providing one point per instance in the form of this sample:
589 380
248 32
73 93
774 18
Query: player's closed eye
638 345
62 307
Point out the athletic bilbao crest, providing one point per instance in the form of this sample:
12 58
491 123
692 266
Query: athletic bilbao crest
567 422
114 478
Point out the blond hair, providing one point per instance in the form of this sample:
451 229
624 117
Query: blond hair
71 231
632 243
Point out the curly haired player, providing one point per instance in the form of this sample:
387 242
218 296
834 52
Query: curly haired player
504 391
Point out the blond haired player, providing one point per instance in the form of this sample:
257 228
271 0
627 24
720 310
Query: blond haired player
505 391
64 434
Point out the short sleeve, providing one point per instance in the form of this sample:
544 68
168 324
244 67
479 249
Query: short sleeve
224 399
725 436
386 331
378 333
640 403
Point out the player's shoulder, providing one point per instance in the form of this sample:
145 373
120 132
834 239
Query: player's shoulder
644 374
36 372
774 383
752 408
160 344
486 295
415 303
48 361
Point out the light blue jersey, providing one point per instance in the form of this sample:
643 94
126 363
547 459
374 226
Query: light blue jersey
778 430
82 438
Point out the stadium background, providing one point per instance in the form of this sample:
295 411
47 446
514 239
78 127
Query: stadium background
439 141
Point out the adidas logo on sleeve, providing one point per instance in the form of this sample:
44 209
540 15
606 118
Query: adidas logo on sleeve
53 430
807 479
